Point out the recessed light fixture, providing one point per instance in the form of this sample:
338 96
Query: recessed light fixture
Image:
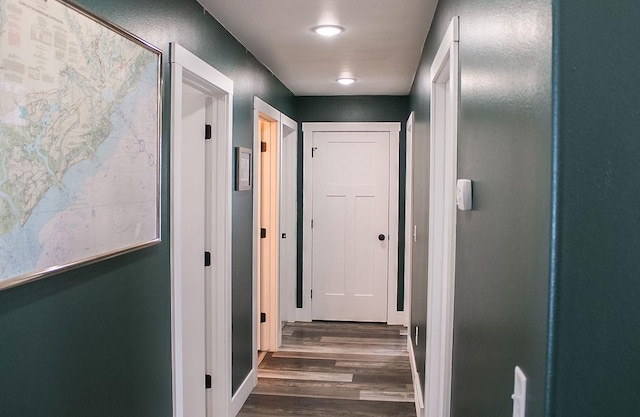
346 80
328 30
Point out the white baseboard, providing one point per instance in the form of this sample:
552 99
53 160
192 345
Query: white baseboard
417 388
243 392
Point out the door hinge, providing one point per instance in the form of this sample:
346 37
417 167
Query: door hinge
207 381
311 293
312 223
284 235
263 317
207 259
207 131
263 233
263 146
313 151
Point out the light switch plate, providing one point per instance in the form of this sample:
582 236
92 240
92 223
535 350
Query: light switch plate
519 393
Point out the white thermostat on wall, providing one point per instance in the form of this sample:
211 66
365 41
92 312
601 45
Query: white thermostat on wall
464 195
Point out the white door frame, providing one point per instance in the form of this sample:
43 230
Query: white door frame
261 109
443 167
288 219
308 129
187 68
264 110
409 226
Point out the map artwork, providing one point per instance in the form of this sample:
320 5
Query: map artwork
79 140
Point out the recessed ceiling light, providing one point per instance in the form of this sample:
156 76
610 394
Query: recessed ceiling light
346 80
328 30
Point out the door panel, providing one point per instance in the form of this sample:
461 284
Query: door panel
335 278
350 209
365 252
192 220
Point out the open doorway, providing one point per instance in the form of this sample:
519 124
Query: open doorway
274 224
269 208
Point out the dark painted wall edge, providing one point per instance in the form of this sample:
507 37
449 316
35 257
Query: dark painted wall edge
554 237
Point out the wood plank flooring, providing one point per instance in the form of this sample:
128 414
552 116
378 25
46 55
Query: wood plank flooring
335 369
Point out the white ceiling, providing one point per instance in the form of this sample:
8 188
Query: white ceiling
380 47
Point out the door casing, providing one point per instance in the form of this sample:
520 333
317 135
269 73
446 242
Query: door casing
445 92
393 128
409 227
201 312
288 248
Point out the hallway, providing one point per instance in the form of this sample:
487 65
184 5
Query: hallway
335 369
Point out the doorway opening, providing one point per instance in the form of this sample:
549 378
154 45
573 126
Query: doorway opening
201 120
274 217
269 207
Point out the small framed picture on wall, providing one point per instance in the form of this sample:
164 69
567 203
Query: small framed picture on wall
244 168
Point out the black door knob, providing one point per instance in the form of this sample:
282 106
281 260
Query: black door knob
381 237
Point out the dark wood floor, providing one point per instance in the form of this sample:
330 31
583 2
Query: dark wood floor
335 369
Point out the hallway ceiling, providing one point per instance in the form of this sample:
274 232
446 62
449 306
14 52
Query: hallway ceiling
380 47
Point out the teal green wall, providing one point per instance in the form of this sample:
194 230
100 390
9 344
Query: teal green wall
354 109
97 341
596 274
504 146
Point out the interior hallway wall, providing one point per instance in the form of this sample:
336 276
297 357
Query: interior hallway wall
596 274
504 147
354 109
96 341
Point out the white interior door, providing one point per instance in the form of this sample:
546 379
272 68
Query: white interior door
268 256
350 225
192 222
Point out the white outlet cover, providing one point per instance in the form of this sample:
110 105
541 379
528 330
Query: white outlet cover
519 393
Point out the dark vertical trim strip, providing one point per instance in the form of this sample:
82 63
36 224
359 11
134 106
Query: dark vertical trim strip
300 229
400 296
402 195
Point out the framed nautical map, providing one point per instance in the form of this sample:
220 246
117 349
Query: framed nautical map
79 140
